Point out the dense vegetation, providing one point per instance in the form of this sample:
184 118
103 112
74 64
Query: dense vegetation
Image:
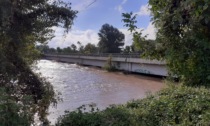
89 48
183 32
23 24
73 49
111 39
182 38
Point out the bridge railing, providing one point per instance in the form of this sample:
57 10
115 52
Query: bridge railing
126 55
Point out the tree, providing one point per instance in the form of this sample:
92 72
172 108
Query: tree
127 49
67 50
59 50
52 50
74 47
110 39
80 47
183 37
90 49
183 31
23 23
149 49
43 48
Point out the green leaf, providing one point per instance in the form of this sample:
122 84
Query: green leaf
208 77
205 6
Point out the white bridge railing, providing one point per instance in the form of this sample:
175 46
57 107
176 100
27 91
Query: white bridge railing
130 55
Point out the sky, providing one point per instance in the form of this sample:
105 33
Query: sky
92 14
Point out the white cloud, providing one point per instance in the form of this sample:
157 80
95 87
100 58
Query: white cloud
124 1
91 36
150 31
128 36
120 7
84 36
143 11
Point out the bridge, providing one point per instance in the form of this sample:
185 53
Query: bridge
125 62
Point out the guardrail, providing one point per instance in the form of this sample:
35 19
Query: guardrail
130 55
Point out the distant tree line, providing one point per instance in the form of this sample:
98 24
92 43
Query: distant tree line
79 48
111 40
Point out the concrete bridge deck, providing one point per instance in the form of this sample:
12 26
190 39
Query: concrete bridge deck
130 63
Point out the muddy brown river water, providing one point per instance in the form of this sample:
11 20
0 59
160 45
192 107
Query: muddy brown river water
81 85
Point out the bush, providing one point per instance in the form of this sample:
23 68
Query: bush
111 116
13 113
176 105
80 117
109 66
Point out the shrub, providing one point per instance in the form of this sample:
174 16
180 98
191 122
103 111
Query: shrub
176 105
13 113
111 116
109 66
80 117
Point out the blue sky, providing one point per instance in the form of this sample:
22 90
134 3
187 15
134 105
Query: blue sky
94 13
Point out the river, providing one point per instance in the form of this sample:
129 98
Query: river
81 85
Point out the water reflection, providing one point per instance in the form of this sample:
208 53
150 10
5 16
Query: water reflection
82 85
